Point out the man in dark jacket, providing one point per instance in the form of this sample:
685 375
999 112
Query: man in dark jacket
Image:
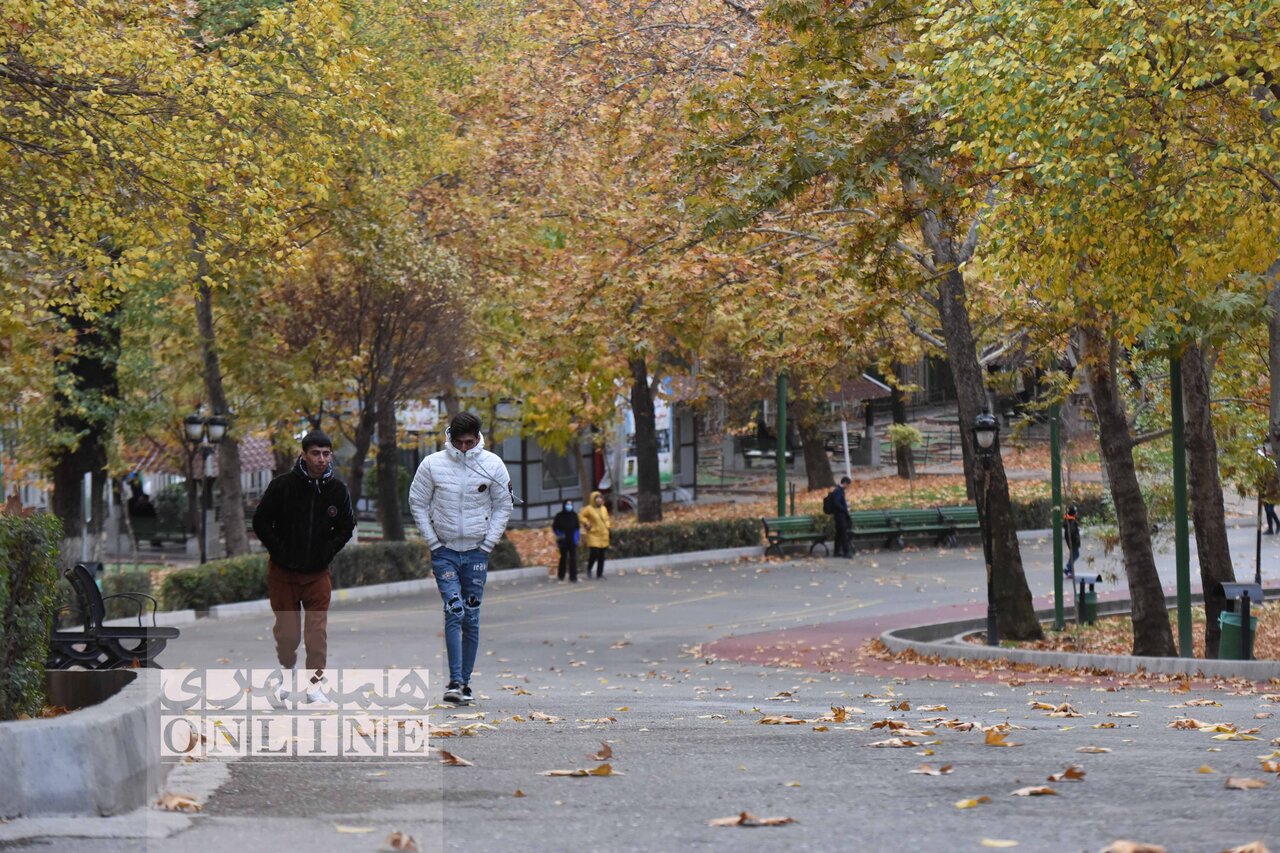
304 519
844 523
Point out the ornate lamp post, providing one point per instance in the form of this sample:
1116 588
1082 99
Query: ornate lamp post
986 443
204 433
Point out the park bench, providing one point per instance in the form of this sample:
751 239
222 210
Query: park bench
874 522
748 456
156 532
795 528
962 519
97 646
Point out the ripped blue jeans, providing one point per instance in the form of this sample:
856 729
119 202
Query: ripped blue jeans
460 577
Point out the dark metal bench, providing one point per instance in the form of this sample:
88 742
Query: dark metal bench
152 530
794 528
97 646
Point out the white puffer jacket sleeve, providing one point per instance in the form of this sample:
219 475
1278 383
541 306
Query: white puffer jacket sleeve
421 492
500 501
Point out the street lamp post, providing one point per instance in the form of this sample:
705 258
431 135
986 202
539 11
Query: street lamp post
986 436
204 433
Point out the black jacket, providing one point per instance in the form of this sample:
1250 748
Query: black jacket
566 526
302 521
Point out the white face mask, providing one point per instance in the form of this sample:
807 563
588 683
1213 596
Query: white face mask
568 507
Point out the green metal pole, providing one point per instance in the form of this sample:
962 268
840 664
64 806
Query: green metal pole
1055 465
782 444
1182 548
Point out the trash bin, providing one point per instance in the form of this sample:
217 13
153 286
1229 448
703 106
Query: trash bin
1089 607
1086 599
1229 644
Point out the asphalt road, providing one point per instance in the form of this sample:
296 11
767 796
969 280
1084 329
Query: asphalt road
620 662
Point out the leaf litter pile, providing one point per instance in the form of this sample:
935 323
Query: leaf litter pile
1113 635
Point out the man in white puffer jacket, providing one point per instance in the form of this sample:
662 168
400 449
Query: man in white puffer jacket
461 499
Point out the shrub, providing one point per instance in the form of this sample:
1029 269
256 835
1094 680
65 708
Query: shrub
676 537
28 573
245 578
1036 513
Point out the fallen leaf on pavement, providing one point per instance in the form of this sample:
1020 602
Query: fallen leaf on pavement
1071 774
178 803
518 793
605 753
1093 750
478 715
352 830
748 819
1133 847
781 720
402 841
543 718
904 705
1234 736
1188 723
938 708
894 743
926 770
1035 791
1123 714
1243 783
450 760
1251 847
997 842
601 770
995 738
971 803
1205 768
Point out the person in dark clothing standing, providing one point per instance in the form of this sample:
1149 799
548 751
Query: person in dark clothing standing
303 520
839 503
567 530
1071 535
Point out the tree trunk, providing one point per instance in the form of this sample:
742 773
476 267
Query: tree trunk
234 533
905 455
1273 354
586 468
817 464
1152 635
1014 606
389 496
88 383
1207 510
648 478
360 452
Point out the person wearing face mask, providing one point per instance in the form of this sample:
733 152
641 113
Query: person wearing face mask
303 520
595 518
461 499
566 528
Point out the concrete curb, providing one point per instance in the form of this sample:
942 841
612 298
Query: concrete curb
720 555
99 760
945 640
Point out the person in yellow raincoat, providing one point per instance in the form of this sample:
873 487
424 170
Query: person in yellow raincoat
595 520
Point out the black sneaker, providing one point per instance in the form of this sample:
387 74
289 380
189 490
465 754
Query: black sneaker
453 693
466 695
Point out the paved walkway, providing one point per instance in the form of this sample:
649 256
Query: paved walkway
624 662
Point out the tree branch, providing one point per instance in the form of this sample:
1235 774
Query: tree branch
1150 436
970 244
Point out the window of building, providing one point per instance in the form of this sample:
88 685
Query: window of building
558 472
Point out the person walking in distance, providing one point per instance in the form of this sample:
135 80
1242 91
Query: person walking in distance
566 528
836 504
595 519
1071 535
303 520
461 499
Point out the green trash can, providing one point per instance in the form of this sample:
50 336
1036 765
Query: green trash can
1089 607
1229 644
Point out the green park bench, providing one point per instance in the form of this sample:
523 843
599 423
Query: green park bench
795 528
874 522
156 532
963 519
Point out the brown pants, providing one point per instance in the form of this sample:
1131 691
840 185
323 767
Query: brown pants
289 591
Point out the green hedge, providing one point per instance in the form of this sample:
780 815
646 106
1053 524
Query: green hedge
245 578
28 574
1037 513
677 537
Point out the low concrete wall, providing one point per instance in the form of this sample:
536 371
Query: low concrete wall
945 640
99 760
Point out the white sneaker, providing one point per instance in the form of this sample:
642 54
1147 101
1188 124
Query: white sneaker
316 694
281 694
